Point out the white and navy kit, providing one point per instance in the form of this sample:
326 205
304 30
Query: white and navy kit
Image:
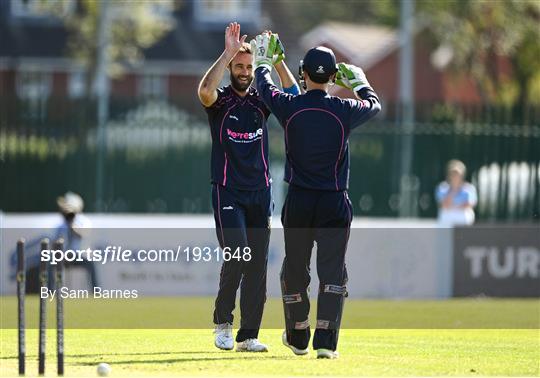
242 202
317 207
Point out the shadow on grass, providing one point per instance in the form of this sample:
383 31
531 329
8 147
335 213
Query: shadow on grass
226 356
143 354
14 357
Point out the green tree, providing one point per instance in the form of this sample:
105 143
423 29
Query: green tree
135 25
476 32
307 14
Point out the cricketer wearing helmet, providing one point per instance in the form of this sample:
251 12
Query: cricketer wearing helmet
241 192
317 207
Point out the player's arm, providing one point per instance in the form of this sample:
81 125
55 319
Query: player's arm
276 100
288 82
368 104
208 86
212 78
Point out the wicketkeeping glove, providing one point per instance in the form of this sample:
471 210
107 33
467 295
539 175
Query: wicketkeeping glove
263 47
279 51
351 77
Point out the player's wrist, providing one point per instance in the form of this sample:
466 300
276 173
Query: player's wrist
366 92
229 54
267 65
361 87
278 62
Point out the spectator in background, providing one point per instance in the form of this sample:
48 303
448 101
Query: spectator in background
456 197
74 227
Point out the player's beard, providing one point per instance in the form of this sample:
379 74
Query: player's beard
240 85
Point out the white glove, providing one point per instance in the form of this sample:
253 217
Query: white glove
263 50
351 77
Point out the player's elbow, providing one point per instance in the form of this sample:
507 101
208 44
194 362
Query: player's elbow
375 102
207 97
376 107
368 94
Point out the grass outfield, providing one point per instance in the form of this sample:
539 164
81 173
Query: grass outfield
196 313
364 352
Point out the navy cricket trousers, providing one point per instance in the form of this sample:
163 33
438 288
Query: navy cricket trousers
242 220
323 217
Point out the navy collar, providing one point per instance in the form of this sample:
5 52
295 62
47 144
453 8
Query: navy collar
250 92
317 92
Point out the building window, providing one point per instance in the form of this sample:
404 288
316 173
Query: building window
34 88
219 11
42 8
153 86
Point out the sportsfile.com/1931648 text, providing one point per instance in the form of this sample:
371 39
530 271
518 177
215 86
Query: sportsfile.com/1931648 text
119 254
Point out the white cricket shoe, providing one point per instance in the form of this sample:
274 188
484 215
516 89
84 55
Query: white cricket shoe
224 338
298 352
327 353
251 345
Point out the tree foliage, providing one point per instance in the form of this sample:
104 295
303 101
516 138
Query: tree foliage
135 25
306 14
475 31
479 32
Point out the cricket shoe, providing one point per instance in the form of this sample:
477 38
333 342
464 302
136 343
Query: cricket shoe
327 353
297 351
224 338
251 345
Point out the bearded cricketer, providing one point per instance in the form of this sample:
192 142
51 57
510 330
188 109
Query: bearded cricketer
241 186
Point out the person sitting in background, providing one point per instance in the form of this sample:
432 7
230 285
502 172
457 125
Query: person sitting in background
456 197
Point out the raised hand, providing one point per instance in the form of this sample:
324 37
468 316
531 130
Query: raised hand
263 47
233 41
279 51
351 77
276 46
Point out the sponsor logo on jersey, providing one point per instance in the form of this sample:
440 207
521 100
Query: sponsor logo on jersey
239 137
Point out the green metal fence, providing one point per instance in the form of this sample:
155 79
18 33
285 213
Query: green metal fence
158 158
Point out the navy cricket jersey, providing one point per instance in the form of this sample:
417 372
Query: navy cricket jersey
317 128
239 140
